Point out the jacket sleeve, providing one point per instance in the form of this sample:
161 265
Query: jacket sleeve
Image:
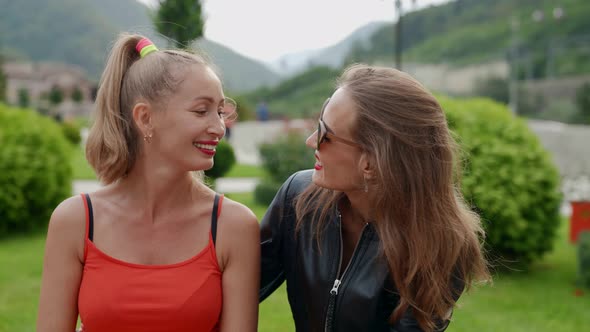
409 324
406 324
272 272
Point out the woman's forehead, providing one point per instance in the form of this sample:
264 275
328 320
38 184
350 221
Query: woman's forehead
340 112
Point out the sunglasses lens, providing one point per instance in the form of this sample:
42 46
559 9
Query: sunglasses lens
319 136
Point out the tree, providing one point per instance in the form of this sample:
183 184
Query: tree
77 95
2 81
493 87
180 20
583 102
23 98
56 96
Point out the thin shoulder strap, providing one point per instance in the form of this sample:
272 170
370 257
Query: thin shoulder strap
217 202
89 217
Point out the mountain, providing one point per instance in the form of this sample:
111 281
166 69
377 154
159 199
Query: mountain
546 36
80 32
332 56
238 72
443 40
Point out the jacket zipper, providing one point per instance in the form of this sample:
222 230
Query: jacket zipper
338 282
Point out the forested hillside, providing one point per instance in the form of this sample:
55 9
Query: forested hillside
299 96
462 32
474 31
80 32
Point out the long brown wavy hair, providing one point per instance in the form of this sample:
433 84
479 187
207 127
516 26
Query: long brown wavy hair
428 235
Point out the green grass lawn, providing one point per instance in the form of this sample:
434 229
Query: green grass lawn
275 314
82 171
245 171
540 300
21 259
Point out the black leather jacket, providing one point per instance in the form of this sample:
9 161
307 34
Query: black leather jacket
361 300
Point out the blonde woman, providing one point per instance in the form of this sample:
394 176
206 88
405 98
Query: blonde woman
155 249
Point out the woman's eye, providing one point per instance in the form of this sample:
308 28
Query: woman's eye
200 112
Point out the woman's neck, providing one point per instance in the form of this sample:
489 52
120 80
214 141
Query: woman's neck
157 190
358 204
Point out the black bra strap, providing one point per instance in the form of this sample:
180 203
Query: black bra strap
214 218
90 218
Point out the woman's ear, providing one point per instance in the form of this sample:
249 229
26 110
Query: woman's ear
142 116
366 164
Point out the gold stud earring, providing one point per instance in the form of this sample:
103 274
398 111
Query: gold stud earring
148 137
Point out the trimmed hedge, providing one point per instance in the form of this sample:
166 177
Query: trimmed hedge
265 191
281 158
223 160
72 132
508 178
286 155
584 259
35 170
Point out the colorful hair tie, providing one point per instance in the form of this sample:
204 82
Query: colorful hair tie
145 47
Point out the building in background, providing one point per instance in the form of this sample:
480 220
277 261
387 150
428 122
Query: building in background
33 83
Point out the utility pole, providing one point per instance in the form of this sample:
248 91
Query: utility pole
398 32
515 55
398 35
513 60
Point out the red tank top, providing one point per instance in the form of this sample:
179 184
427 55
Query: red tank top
119 296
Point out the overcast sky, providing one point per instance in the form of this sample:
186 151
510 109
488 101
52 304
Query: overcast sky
267 29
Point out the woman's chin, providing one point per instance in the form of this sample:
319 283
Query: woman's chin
318 179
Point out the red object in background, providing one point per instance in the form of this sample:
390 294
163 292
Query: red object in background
580 219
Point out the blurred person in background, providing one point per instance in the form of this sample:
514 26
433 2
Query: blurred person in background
229 124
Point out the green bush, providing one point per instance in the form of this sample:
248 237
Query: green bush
285 156
265 191
23 98
280 159
495 88
584 258
508 178
583 102
223 161
71 132
35 171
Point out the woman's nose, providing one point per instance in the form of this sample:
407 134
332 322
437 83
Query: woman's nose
217 127
311 140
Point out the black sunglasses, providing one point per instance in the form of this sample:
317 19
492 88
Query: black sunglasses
323 132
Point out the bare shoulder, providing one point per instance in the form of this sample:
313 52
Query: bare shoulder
69 213
237 216
238 233
68 224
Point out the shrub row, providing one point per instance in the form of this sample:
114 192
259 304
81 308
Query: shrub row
281 158
35 169
508 178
